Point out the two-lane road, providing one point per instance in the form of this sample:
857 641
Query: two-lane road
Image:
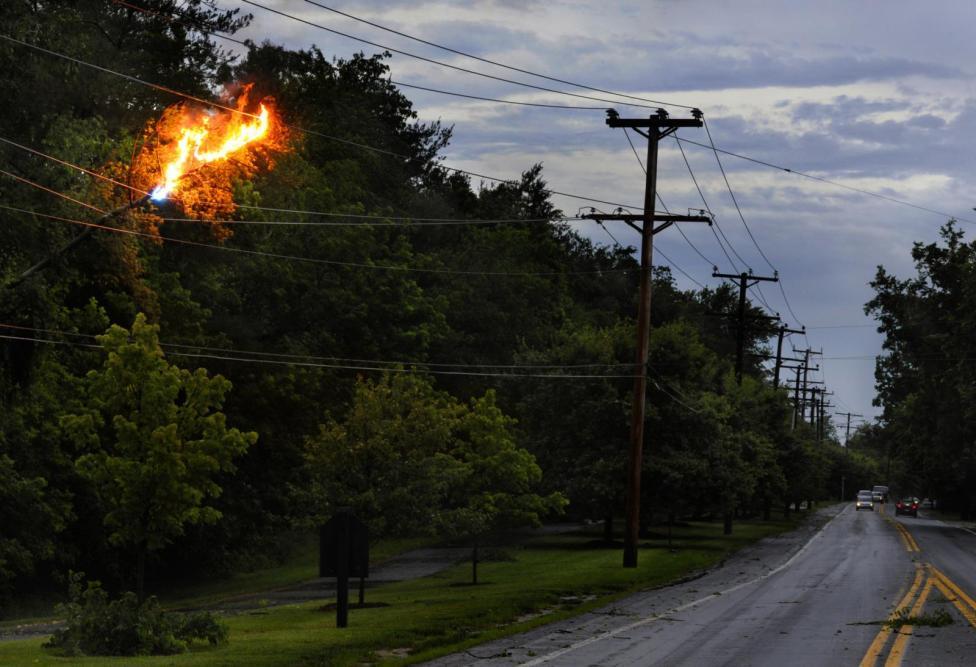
823 605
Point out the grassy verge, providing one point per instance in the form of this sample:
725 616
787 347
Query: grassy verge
301 566
546 579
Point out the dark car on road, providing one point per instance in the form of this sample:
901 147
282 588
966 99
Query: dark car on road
907 506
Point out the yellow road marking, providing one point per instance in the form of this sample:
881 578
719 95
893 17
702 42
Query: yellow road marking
956 596
877 646
905 632
909 540
906 537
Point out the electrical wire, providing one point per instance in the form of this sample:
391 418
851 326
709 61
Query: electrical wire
715 225
297 258
827 181
311 364
441 63
296 128
494 62
666 210
250 45
282 355
412 220
732 195
496 100
740 156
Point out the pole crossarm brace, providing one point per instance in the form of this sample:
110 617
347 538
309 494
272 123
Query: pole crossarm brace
631 218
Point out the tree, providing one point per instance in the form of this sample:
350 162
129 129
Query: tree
410 459
154 438
492 484
924 382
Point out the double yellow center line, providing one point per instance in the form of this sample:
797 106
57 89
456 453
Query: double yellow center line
927 576
906 538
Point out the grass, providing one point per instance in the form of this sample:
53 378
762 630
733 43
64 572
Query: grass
936 619
550 578
301 566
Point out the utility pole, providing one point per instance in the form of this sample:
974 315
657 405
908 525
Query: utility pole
782 331
657 126
746 280
796 394
847 434
847 437
806 367
822 419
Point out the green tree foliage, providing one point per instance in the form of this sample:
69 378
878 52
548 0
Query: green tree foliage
294 336
95 625
154 438
411 459
925 384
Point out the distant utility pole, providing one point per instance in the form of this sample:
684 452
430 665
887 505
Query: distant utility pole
796 393
806 367
822 419
745 280
657 126
847 434
847 437
782 331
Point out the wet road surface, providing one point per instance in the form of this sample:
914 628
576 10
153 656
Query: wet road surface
819 597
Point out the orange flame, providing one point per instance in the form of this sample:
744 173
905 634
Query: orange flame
203 143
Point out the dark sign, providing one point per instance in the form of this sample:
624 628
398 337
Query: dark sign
344 545
344 553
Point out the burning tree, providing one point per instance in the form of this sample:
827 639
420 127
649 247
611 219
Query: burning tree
193 154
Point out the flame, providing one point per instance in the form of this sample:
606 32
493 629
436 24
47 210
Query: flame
213 137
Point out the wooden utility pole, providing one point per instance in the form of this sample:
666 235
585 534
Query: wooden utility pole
654 128
782 331
847 434
806 368
822 417
745 280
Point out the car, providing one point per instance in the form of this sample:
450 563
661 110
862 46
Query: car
865 501
877 496
908 505
883 490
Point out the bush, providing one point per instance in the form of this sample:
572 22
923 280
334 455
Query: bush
95 625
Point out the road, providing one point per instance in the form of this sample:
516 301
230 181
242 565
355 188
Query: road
817 600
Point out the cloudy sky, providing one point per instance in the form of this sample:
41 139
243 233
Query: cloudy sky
877 95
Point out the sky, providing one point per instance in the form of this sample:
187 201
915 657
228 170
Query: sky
876 95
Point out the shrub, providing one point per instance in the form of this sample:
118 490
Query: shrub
95 625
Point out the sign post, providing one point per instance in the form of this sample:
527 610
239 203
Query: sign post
344 553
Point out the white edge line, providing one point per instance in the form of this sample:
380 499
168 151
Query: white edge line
688 605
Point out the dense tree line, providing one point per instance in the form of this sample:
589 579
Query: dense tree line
224 458
926 377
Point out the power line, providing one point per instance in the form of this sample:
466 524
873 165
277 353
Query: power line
666 210
764 163
493 99
310 364
701 194
827 181
297 258
297 128
728 185
441 63
732 195
413 220
494 62
251 45
282 355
